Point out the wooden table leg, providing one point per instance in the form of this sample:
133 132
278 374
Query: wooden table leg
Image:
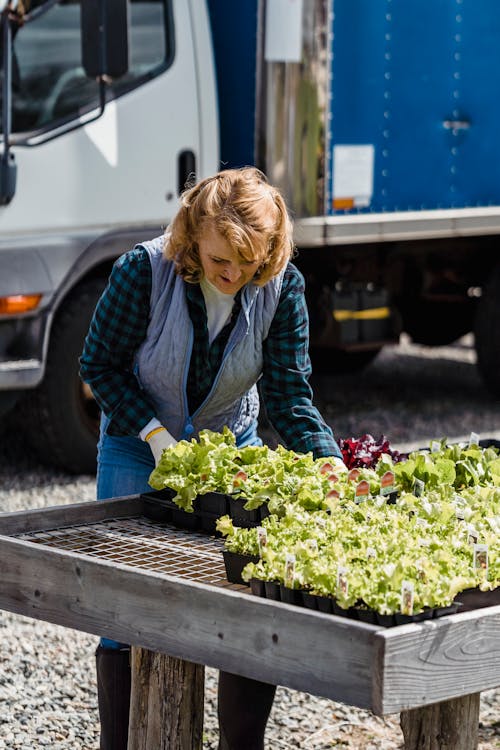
167 702
450 725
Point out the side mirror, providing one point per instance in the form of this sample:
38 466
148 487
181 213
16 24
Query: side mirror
104 26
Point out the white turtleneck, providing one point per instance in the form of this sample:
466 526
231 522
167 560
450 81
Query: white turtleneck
219 307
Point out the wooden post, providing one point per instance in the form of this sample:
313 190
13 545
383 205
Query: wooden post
167 702
450 725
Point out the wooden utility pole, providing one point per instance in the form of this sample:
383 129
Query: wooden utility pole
167 700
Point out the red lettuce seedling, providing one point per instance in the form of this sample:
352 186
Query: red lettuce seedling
365 451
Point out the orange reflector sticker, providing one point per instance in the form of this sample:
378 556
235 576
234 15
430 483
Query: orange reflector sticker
343 204
19 303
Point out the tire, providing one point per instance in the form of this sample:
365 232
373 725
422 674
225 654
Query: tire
329 361
60 418
486 330
438 323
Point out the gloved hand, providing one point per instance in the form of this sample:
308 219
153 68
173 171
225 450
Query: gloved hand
333 464
338 464
159 440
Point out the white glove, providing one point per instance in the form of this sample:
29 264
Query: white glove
159 439
338 464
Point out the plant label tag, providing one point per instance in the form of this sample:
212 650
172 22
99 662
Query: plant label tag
342 582
387 483
418 487
435 446
326 468
481 557
407 598
421 574
472 534
289 570
353 474
460 514
473 439
312 544
261 538
362 491
332 494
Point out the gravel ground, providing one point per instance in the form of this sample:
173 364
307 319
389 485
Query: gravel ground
47 682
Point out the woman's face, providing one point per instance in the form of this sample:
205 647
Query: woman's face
222 265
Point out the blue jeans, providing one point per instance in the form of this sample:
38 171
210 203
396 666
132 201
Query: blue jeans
123 465
123 468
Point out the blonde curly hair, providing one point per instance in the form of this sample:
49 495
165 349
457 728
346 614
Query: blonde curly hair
245 209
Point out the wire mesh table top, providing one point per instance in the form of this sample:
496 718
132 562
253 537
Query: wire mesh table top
140 542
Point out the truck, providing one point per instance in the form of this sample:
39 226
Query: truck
377 119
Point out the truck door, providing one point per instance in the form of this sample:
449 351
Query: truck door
413 109
472 130
89 185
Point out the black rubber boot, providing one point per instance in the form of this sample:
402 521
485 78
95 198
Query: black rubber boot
244 708
113 693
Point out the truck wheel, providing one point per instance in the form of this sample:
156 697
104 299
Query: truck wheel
438 323
486 334
60 418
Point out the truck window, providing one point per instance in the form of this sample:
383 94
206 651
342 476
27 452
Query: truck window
48 81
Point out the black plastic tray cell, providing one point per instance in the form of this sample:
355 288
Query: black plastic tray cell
325 604
167 493
235 562
450 610
385 621
476 599
272 590
290 596
184 520
366 615
337 610
207 509
489 443
309 600
241 517
351 613
257 587
214 503
263 511
426 614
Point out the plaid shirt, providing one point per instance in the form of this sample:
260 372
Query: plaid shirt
120 324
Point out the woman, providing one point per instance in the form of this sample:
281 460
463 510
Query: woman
187 325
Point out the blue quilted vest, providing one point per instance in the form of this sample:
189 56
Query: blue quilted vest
162 361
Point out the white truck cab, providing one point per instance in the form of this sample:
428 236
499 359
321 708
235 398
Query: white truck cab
99 164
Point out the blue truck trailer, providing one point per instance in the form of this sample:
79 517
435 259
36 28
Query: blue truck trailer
378 120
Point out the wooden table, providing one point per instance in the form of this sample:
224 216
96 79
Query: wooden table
119 569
